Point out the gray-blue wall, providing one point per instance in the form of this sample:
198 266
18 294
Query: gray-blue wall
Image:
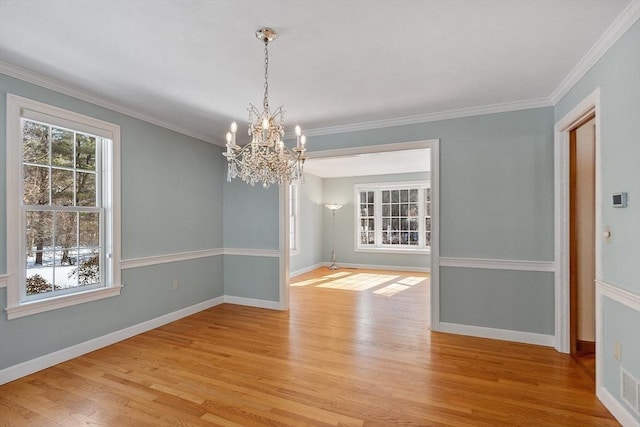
250 222
171 193
617 74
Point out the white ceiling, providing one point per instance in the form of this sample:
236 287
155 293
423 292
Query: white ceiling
195 65
403 161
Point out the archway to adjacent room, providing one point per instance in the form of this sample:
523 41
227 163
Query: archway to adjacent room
431 156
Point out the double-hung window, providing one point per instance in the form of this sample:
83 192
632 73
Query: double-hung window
63 208
394 216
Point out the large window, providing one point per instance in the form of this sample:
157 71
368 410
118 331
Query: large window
63 212
393 216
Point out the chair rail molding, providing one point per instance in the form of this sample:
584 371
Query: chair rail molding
498 264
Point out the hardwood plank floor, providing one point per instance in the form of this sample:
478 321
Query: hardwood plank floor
354 350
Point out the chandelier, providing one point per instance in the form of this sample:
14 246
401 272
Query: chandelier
265 159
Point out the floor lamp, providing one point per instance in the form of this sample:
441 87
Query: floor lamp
333 207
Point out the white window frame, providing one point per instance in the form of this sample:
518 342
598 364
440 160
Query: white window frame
377 188
18 305
294 220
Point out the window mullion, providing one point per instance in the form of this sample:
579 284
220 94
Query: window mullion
377 199
421 215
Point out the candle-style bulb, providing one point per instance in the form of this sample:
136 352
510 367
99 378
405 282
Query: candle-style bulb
303 140
228 137
298 130
234 127
265 124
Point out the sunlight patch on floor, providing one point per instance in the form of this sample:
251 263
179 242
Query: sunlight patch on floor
334 275
410 281
309 282
358 282
391 290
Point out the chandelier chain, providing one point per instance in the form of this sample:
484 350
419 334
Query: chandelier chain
265 102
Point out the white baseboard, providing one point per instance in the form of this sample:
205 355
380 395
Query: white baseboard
380 267
623 416
252 302
306 269
25 368
498 334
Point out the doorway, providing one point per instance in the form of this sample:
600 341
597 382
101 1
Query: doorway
582 242
386 150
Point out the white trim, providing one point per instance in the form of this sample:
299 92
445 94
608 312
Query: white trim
498 264
343 265
620 26
174 257
616 293
283 246
434 278
61 87
34 365
18 107
498 334
252 302
307 269
252 252
4 278
432 117
589 105
621 414
391 250
54 303
369 149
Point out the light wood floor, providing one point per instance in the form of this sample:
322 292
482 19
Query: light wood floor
347 354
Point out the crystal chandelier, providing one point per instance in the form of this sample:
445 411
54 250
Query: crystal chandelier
265 159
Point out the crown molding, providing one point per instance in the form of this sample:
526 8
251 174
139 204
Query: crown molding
433 117
61 87
622 23
620 26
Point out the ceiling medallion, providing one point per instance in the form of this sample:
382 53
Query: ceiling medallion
265 159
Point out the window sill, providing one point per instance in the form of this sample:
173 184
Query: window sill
29 308
398 251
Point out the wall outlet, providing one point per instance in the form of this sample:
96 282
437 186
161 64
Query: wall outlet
176 284
617 351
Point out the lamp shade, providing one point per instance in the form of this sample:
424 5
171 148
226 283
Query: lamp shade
333 206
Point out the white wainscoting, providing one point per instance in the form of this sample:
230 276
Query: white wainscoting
25 368
631 300
498 264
